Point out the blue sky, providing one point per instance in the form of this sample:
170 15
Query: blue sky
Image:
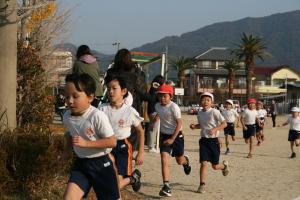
99 23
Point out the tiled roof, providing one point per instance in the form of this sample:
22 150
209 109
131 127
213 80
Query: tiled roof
259 70
216 53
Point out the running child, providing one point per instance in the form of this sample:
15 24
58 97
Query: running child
210 121
230 116
171 137
294 132
122 117
261 115
248 120
92 137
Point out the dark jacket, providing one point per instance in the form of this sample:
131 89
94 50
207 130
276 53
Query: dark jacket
136 85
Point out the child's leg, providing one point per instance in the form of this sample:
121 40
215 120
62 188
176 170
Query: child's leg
297 142
233 138
219 166
73 192
251 144
181 160
165 166
123 181
226 141
292 146
203 167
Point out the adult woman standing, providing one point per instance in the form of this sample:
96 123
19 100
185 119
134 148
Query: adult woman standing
87 63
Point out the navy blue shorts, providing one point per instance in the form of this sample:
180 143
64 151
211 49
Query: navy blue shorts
251 130
229 129
209 150
123 157
294 135
98 173
176 149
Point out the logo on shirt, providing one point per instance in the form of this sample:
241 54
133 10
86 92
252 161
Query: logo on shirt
90 133
121 123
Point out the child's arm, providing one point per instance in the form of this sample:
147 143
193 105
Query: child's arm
283 124
141 138
194 126
108 142
218 128
243 123
175 133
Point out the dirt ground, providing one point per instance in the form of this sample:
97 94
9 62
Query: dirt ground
270 174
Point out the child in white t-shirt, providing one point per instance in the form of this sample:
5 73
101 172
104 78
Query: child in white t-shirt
230 116
171 137
210 121
122 117
261 119
248 120
92 137
294 132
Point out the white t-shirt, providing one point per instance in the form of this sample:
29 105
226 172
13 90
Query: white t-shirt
261 115
249 116
230 115
122 119
208 120
168 115
294 123
92 125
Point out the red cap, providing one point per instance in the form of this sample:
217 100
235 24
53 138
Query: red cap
167 89
251 100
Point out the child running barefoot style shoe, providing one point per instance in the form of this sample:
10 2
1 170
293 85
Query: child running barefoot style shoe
171 137
230 116
92 137
210 121
249 120
294 132
122 117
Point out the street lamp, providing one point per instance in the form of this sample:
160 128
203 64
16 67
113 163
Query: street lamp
117 44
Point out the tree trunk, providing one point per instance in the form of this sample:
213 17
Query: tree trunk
230 86
8 61
249 72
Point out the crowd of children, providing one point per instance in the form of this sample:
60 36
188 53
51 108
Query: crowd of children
99 136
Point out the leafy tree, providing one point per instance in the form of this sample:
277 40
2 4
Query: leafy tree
250 48
232 66
181 64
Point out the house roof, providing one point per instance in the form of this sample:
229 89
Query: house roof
216 53
268 70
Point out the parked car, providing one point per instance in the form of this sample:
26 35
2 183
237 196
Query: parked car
193 109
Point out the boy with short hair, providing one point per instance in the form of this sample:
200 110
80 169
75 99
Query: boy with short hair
210 121
248 120
92 137
122 118
171 137
230 116
294 132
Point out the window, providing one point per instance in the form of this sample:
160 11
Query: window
206 64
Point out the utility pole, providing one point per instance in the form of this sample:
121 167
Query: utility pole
167 69
8 62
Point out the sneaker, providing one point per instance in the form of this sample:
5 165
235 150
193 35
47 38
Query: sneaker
187 168
201 188
225 171
153 150
136 175
293 155
165 191
227 152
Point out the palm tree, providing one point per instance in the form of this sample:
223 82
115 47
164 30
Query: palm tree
250 48
232 66
181 64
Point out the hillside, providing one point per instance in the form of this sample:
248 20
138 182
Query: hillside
281 33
